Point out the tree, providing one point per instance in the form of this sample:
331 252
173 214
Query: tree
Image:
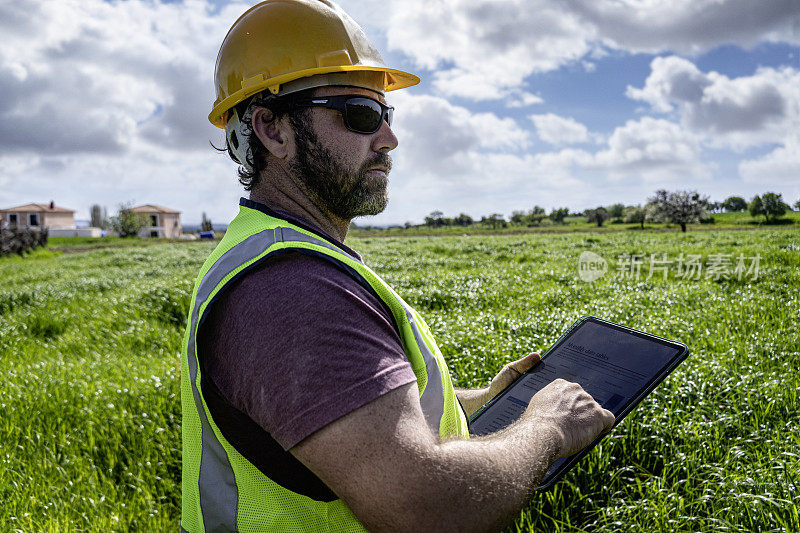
679 207
463 219
205 224
434 219
616 211
755 206
494 220
774 206
770 205
734 204
127 223
797 205
536 215
636 214
99 216
518 217
558 215
597 216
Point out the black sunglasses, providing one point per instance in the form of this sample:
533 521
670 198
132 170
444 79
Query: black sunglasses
360 114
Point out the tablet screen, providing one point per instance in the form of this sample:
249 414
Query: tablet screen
618 366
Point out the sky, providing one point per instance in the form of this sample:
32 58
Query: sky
557 103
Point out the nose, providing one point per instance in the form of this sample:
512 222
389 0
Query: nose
385 140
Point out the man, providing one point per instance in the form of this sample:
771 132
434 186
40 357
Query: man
314 398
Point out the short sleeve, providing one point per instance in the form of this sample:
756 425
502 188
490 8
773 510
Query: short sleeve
298 343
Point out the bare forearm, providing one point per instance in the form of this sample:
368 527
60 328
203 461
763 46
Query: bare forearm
396 475
472 399
481 484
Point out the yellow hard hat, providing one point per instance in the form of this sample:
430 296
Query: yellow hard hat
278 42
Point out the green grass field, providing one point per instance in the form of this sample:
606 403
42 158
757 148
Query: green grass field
89 401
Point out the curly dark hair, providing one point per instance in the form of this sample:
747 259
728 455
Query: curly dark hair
280 106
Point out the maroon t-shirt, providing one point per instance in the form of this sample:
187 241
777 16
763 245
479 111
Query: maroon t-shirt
297 343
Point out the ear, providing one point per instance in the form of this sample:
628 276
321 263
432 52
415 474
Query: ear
273 134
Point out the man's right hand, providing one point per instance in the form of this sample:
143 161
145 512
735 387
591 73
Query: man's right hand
576 417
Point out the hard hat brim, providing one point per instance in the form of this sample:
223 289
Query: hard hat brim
394 79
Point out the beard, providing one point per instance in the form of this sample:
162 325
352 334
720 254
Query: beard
331 184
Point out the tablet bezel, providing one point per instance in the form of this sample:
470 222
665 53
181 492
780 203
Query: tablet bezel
683 352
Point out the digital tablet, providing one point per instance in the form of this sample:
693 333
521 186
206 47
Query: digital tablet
617 365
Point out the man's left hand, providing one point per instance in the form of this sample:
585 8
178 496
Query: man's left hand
511 372
472 399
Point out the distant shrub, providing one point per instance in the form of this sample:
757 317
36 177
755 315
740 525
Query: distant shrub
616 211
597 216
558 215
636 214
734 204
770 204
21 240
127 223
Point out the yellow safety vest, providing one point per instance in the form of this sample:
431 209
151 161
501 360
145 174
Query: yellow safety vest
221 489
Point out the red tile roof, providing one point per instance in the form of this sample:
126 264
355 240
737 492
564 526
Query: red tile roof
39 208
152 208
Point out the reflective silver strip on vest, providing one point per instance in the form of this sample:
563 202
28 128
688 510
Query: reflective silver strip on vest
218 491
219 495
432 399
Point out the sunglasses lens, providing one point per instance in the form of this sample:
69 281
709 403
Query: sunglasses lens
364 115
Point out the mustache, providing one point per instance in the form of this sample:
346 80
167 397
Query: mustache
378 160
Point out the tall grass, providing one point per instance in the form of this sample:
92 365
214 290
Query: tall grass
89 401
90 416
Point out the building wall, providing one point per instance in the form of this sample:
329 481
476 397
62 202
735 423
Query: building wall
168 227
79 232
23 217
52 220
172 225
58 220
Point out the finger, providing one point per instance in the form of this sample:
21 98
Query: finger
608 419
526 363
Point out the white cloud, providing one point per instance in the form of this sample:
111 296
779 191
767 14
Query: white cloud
519 98
738 112
435 135
482 48
450 168
652 150
452 159
113 97
672 80
557 130
206 182
489 183
689 26
782 165
96 77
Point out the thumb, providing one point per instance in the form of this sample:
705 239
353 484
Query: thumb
526 363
